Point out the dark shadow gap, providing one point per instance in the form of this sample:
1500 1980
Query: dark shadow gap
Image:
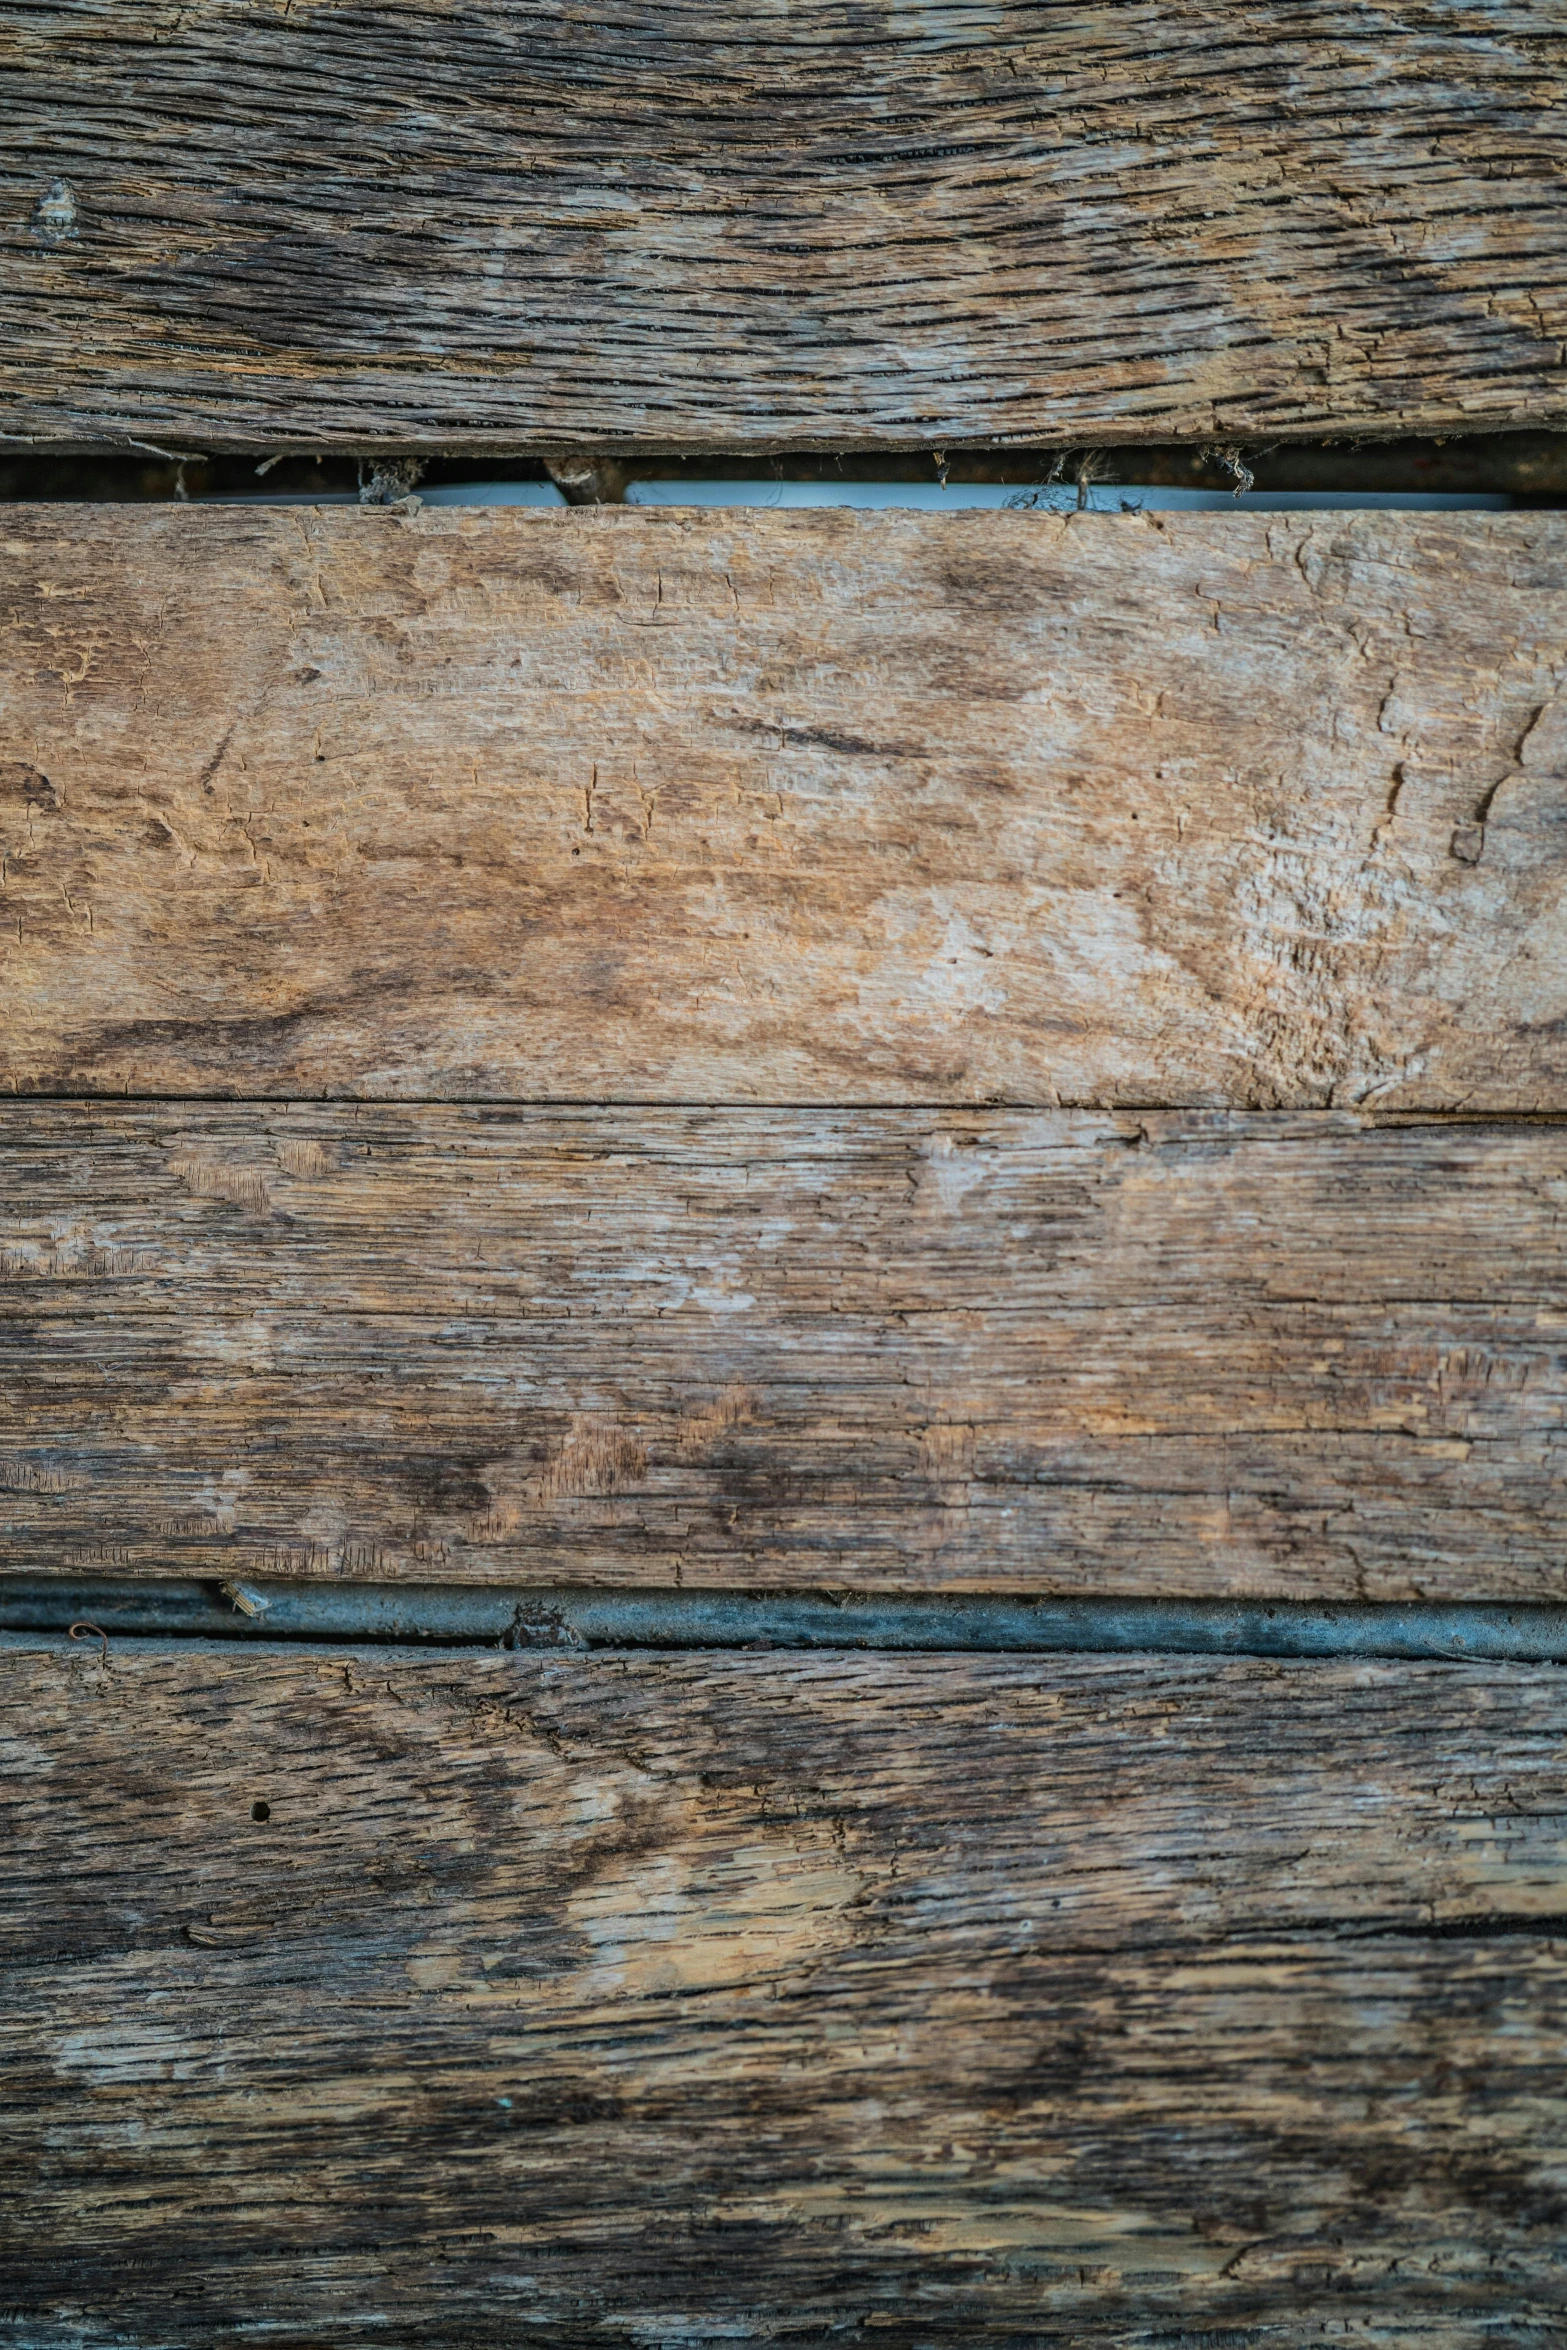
1529 469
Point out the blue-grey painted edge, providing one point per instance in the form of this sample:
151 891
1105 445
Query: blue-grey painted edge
568 1616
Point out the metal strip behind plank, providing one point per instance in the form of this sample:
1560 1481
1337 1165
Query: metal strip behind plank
574 1616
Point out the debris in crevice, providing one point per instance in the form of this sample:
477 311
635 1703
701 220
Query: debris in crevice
1092 466
1230 458
54 220
390 482
541 1626
246 1598
589 481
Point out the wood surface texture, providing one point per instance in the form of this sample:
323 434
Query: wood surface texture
663 2001
1201 1355
245 224
448 2002
822 807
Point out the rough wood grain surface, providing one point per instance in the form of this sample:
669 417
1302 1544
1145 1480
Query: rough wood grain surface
1298 1355
672 2001
456 223
814 806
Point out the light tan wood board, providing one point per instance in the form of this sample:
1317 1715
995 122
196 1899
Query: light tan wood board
786 807
1195 1355
241 225
666 2000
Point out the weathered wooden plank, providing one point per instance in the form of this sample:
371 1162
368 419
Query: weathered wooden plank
1300 1355
678 2000
822 806
805 225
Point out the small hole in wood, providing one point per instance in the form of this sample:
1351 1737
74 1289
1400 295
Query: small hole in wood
261 1811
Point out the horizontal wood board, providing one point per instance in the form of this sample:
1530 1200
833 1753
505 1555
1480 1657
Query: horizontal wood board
457 224
821 807
1303 1356
670 2000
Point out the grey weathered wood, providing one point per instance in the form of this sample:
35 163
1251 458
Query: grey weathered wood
679 2000
1191 1355
457 225
785 807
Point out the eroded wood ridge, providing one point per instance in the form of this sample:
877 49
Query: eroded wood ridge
665 2001
824 807
828 224
1302 1356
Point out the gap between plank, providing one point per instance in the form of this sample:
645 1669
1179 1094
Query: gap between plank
1527 467
578 1617
735 1105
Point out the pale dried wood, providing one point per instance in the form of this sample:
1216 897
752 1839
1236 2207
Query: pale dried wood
1298 1355
457 225
667 2001
813 806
